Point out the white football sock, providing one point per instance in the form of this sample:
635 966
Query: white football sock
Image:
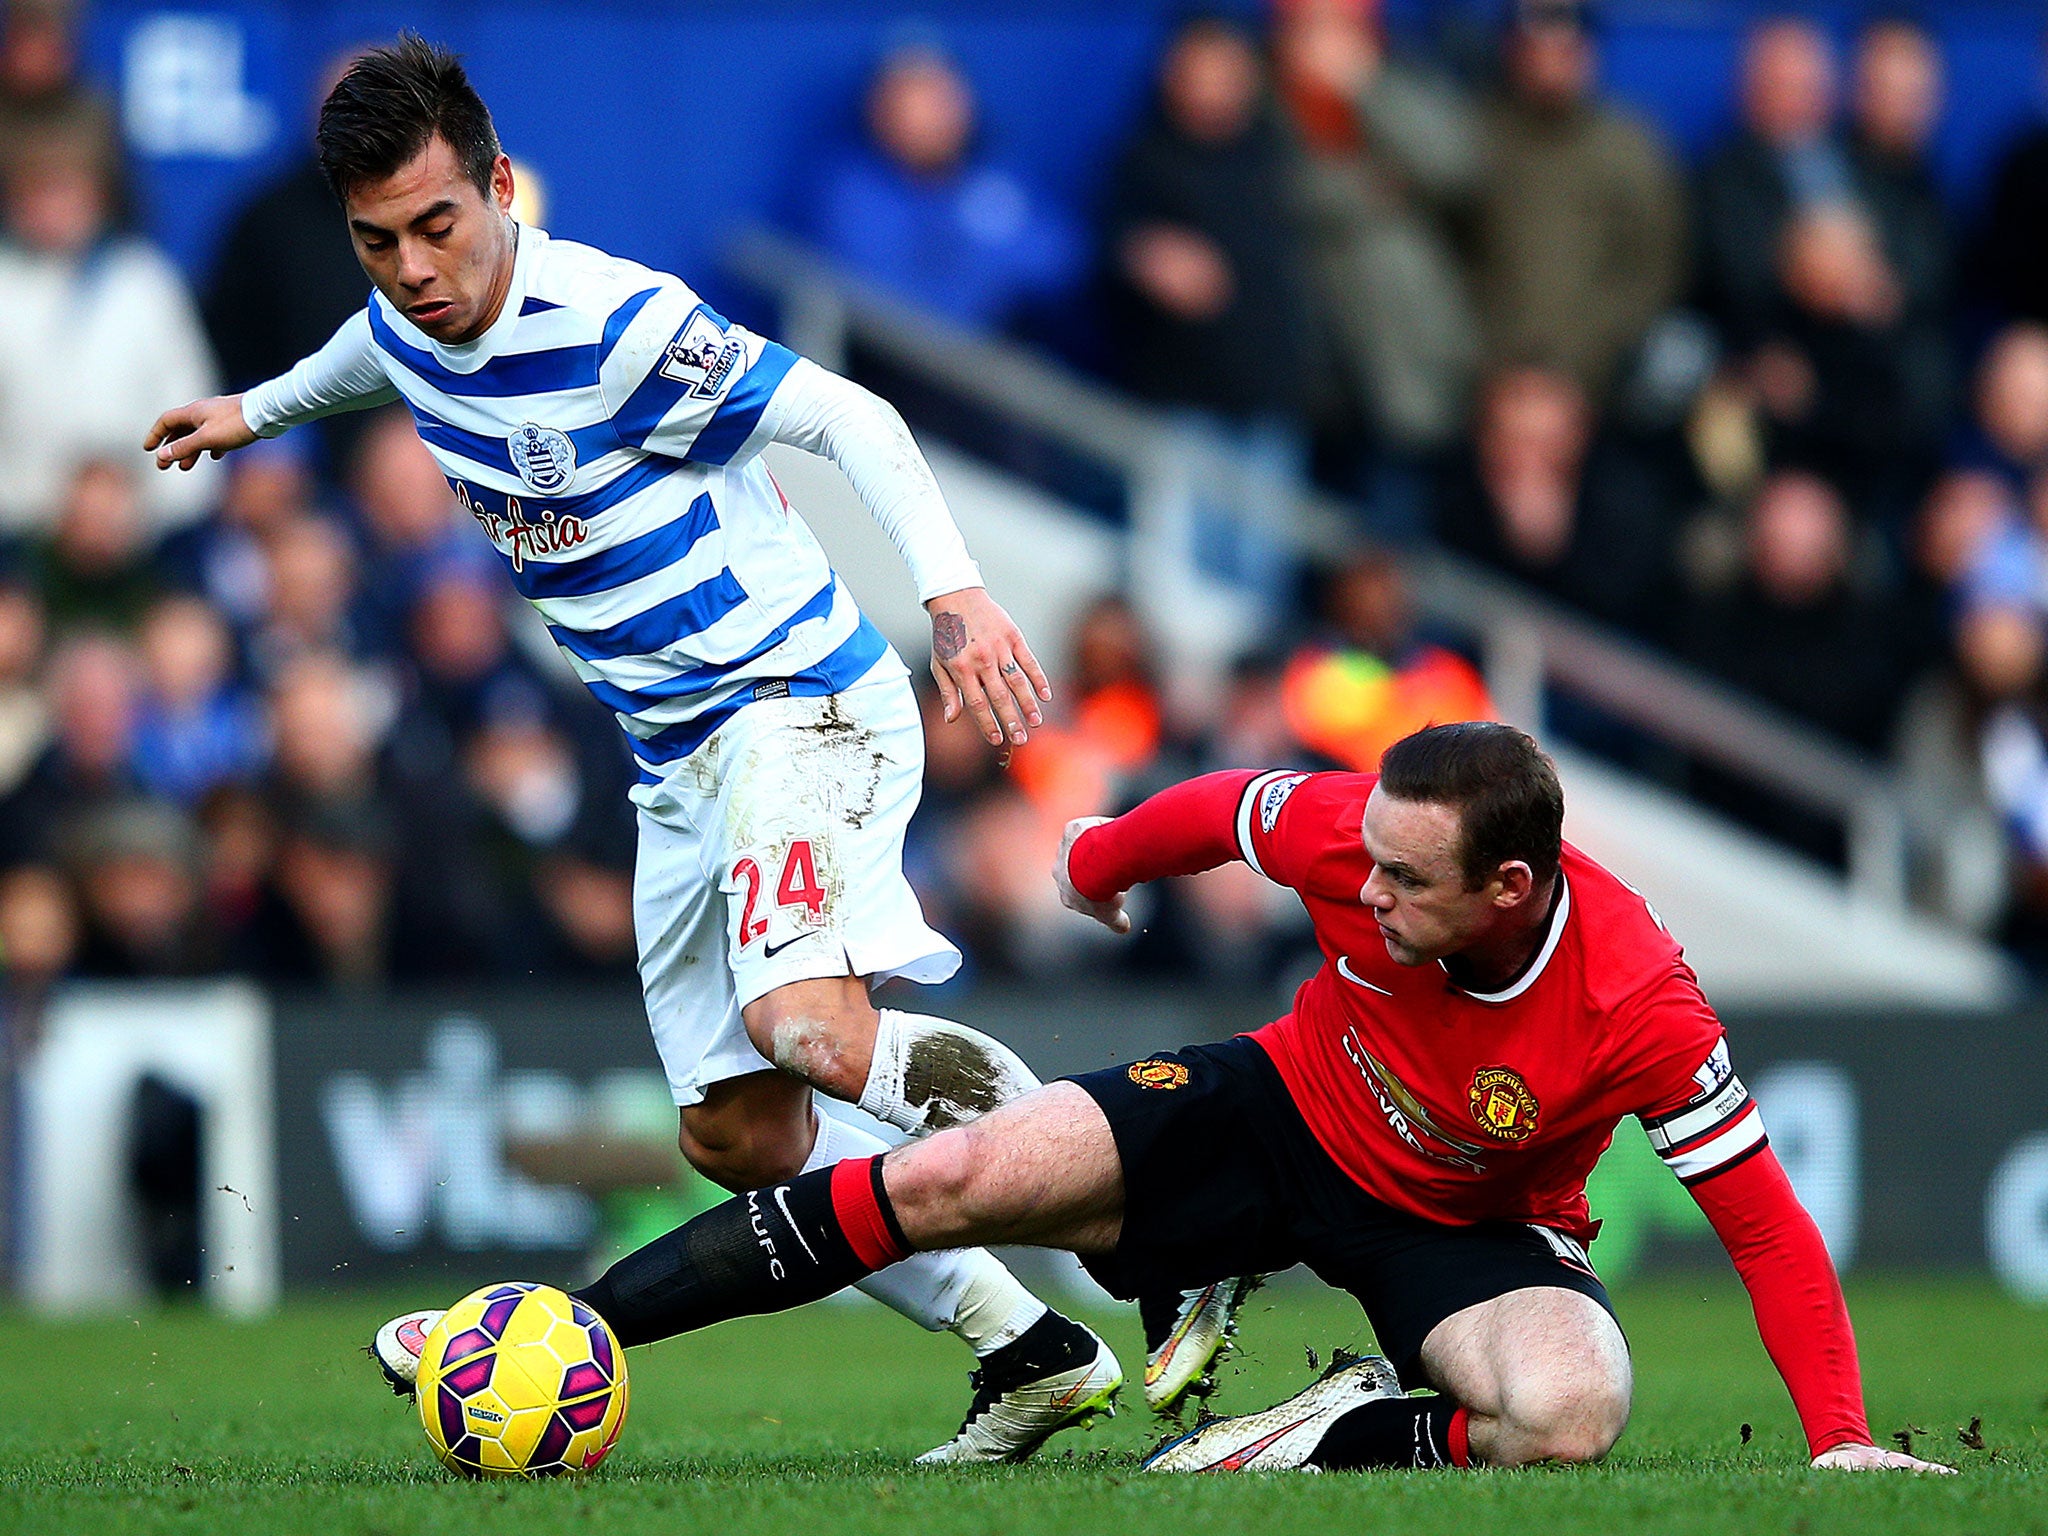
930 1073
965 1291
994 1308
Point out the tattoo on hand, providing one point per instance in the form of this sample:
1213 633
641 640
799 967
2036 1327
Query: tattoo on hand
949 635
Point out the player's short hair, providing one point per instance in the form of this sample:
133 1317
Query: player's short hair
382 112
1502 785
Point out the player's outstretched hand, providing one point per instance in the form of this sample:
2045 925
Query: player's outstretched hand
1110 913
1870 1458
983 666
214 426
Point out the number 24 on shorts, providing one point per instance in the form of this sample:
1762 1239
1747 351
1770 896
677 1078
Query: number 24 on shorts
798 887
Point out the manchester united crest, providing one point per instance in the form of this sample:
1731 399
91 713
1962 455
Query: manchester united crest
1157 1074
1503 1104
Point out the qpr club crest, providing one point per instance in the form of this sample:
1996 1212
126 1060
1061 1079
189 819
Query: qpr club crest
545 458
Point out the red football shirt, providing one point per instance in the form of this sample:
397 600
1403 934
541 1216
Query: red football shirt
1464 1106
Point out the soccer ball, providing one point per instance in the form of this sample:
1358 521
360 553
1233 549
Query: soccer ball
521 1380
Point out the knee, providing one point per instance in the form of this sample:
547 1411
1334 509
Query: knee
1567 1420
935 1184
741 1147
826 1038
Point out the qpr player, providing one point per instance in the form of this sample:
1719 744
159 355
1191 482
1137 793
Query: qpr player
1418 1130
604 426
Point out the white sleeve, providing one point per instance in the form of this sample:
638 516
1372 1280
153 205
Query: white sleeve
681 380
345 375
818 411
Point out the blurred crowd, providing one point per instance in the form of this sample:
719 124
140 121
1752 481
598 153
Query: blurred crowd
277 716
1783 413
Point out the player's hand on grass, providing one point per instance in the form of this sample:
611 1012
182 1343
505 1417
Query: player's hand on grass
215 426
1870 1458
984 668
1110 913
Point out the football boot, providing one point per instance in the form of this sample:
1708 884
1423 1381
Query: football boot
1285 1437
1186 1339
1057 1375
397 1346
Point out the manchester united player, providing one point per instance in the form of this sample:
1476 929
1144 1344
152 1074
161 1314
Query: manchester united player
1418 1130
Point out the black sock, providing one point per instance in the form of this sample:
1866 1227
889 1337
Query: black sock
764 1251
1102 1269
1053 1343
1158 1311
1395 1432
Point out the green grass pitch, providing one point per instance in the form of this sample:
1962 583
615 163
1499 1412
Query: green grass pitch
805 1426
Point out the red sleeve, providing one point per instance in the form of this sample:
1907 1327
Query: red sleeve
1179 831
1792 1286
1709 1132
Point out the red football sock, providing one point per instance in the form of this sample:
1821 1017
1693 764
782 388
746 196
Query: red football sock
865 1215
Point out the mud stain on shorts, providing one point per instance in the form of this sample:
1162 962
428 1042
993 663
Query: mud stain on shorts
819 769
846 749
702 766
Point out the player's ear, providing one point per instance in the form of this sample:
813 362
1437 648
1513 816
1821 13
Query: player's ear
1515 882
502 187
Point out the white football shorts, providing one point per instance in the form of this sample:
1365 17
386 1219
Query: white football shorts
773 854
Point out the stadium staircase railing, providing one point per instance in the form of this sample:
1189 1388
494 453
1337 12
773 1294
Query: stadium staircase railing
1531 651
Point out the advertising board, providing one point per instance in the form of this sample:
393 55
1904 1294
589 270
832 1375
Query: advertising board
453 1133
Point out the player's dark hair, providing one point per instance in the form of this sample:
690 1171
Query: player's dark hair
1502 785
381 114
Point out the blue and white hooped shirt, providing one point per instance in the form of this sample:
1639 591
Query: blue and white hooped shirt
605 434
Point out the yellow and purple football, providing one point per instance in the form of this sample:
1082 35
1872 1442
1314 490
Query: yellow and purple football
521 1380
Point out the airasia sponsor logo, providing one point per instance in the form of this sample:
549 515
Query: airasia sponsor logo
547 537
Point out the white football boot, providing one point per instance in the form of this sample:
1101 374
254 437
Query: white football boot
397 1346
1184 1362
1061 1374
1283 1438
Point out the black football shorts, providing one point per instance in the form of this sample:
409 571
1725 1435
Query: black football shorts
1223 1177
